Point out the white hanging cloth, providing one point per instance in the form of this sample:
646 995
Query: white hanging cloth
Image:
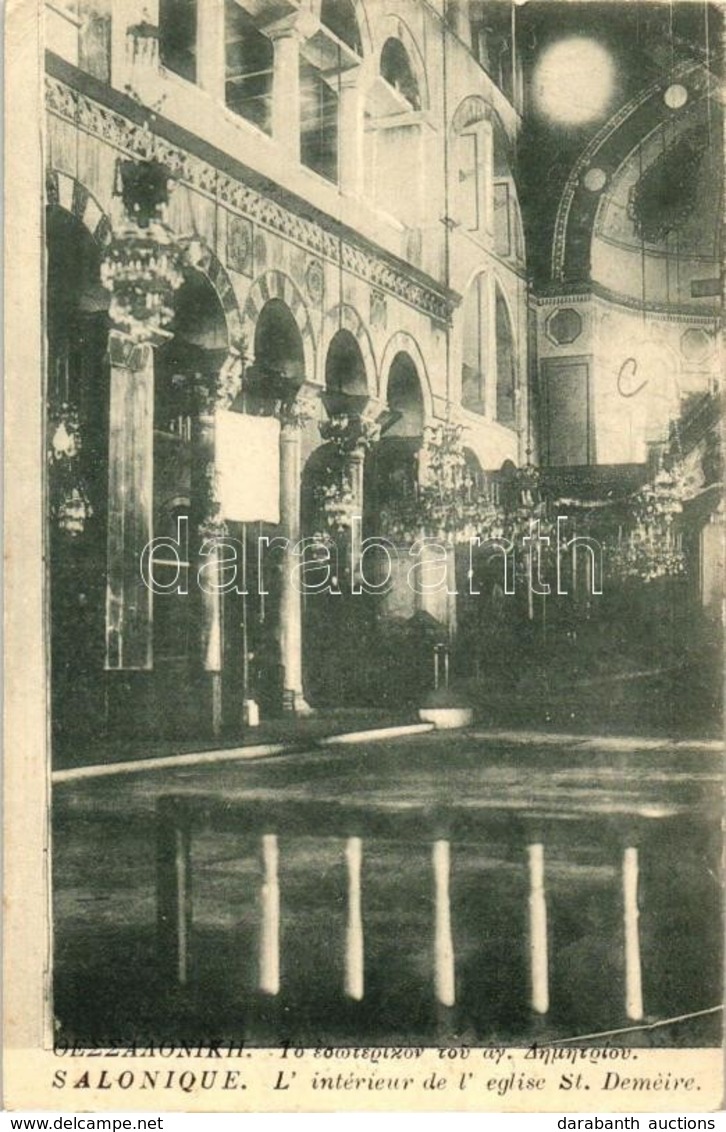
247 456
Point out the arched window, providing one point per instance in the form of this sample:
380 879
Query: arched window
249 57
473 365
472 166
506 364
508 234
345 373
397 71
279 354
405 397
338 16
392 465
395 142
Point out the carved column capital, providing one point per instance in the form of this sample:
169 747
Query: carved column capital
351 433
295 412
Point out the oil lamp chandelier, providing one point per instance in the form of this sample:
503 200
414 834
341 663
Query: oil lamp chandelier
143 264
69 503
652 548
445 501
345 433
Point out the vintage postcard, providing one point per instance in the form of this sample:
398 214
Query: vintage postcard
364 555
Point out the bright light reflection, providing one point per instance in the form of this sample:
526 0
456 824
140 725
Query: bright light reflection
574 80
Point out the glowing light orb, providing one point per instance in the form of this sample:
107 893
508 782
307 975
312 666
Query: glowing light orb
574 81
675 96
595 179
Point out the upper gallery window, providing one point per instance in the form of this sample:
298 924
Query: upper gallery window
397 71
473 368
178 37
508 234
506 364
249 57
491 40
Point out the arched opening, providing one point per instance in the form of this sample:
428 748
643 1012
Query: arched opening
77 398
185 374
396 69
249 69
508 230
391 484
279 355
474 343
392 475
471 166
336 624
191 359
405 397
345 371
339 17
506 364
412 620
394 139
276 374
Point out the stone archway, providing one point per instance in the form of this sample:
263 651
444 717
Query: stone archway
277 285
71 195
344 317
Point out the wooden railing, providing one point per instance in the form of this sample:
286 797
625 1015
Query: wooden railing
278 824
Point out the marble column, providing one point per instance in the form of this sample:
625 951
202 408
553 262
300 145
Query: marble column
293 418
366 431
211 62
286 90
350 142
212 600
130 504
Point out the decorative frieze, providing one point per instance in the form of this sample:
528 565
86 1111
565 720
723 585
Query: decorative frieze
137 141
661 312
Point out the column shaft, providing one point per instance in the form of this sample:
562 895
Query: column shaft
290 597
286 93
351 138
212 629
130 503
211 63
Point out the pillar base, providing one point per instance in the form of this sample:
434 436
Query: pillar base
294 703
446 718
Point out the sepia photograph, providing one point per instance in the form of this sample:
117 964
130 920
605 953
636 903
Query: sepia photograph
366 628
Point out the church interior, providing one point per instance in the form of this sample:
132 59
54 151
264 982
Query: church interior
384 478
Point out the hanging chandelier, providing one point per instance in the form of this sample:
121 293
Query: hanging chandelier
143 264
447 503
69 503
652 547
